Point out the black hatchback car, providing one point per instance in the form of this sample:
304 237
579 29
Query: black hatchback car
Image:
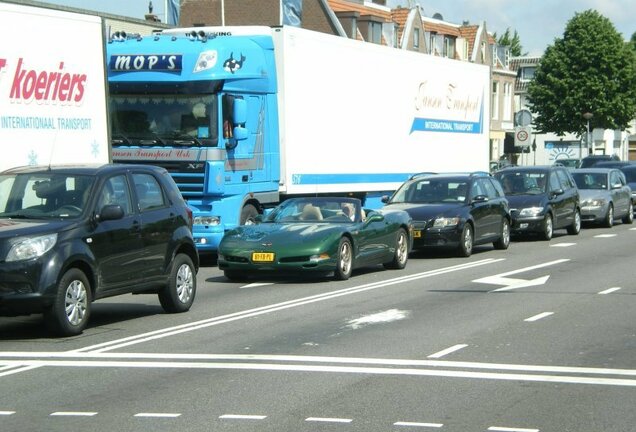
72 235
542 199
455 211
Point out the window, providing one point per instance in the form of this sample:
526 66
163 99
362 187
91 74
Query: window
494 105
527 73
507 102
115 192
416 39
449 47
149 192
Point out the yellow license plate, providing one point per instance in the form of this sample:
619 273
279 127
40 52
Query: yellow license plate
262 257
417 234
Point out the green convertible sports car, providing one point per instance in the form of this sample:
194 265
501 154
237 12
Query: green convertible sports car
320 235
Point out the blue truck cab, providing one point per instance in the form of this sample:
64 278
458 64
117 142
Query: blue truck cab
202 105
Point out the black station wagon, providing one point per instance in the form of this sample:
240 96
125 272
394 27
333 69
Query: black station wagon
70 235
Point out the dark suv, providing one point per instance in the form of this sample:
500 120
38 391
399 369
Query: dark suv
542 199
455 211
72 235
592 160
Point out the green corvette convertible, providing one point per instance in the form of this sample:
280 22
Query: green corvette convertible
318 235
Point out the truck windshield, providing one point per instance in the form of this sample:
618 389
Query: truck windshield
164 120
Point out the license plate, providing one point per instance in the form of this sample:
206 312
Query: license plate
417 234
262 257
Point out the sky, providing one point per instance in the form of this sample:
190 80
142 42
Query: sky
538 22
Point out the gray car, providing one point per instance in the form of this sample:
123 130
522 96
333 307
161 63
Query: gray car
605 195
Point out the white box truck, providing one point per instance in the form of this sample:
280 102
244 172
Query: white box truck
244 117
53 106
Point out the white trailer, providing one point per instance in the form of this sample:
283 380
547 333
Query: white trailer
53 98
355 116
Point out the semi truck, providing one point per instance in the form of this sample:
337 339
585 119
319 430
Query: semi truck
245 117
53 90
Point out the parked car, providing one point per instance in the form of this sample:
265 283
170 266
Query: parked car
591 160
319 235
612 164
568 163
542 199
70 235
630 176
605 196
454 211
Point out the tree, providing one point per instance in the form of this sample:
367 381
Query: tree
513 42
591 69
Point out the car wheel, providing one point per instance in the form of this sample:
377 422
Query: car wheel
234 275
71 307
344 260
548 228
609 217
248 215
466 241
401 255
504 239
179 294
629 217
575 228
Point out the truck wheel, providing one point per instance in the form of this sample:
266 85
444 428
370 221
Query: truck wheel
178 294
248 215
344 260
71 307
401 254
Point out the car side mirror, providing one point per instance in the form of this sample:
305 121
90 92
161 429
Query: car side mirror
557 192
385 199
617 186
480 199
111 212
374 217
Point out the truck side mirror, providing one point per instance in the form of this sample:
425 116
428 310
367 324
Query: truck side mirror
239 111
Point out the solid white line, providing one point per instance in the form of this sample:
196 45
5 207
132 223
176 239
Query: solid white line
447 351
609 290
414 424
74 413
504 429
539 316
7 413
327 420
242 417
160 415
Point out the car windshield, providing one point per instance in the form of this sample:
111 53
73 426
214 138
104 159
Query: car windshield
43 195
430 191
523 183
590 180
327 210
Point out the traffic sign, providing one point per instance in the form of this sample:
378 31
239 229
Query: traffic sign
522 136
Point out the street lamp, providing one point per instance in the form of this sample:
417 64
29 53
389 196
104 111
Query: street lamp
587 116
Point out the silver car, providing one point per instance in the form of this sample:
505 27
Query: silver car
605 195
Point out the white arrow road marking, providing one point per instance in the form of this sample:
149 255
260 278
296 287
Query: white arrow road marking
511 283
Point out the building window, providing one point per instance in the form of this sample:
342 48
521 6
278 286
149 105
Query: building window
416 39
449 47
527 73
396 32
494 104
507 102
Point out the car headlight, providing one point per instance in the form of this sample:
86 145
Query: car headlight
531 212
31 248
594 203
207 220
445 222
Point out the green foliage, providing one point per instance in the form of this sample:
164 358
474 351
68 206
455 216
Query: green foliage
511 41
591 69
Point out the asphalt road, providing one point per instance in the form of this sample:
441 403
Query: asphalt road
541 337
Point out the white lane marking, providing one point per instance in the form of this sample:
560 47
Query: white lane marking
328 420
501 279
256 284
605 236
632 229
563 244
158 415
609 290
387 371
539 316
74 414
6 413
505 429
197 325
242 417
416 424
452 349
380 317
